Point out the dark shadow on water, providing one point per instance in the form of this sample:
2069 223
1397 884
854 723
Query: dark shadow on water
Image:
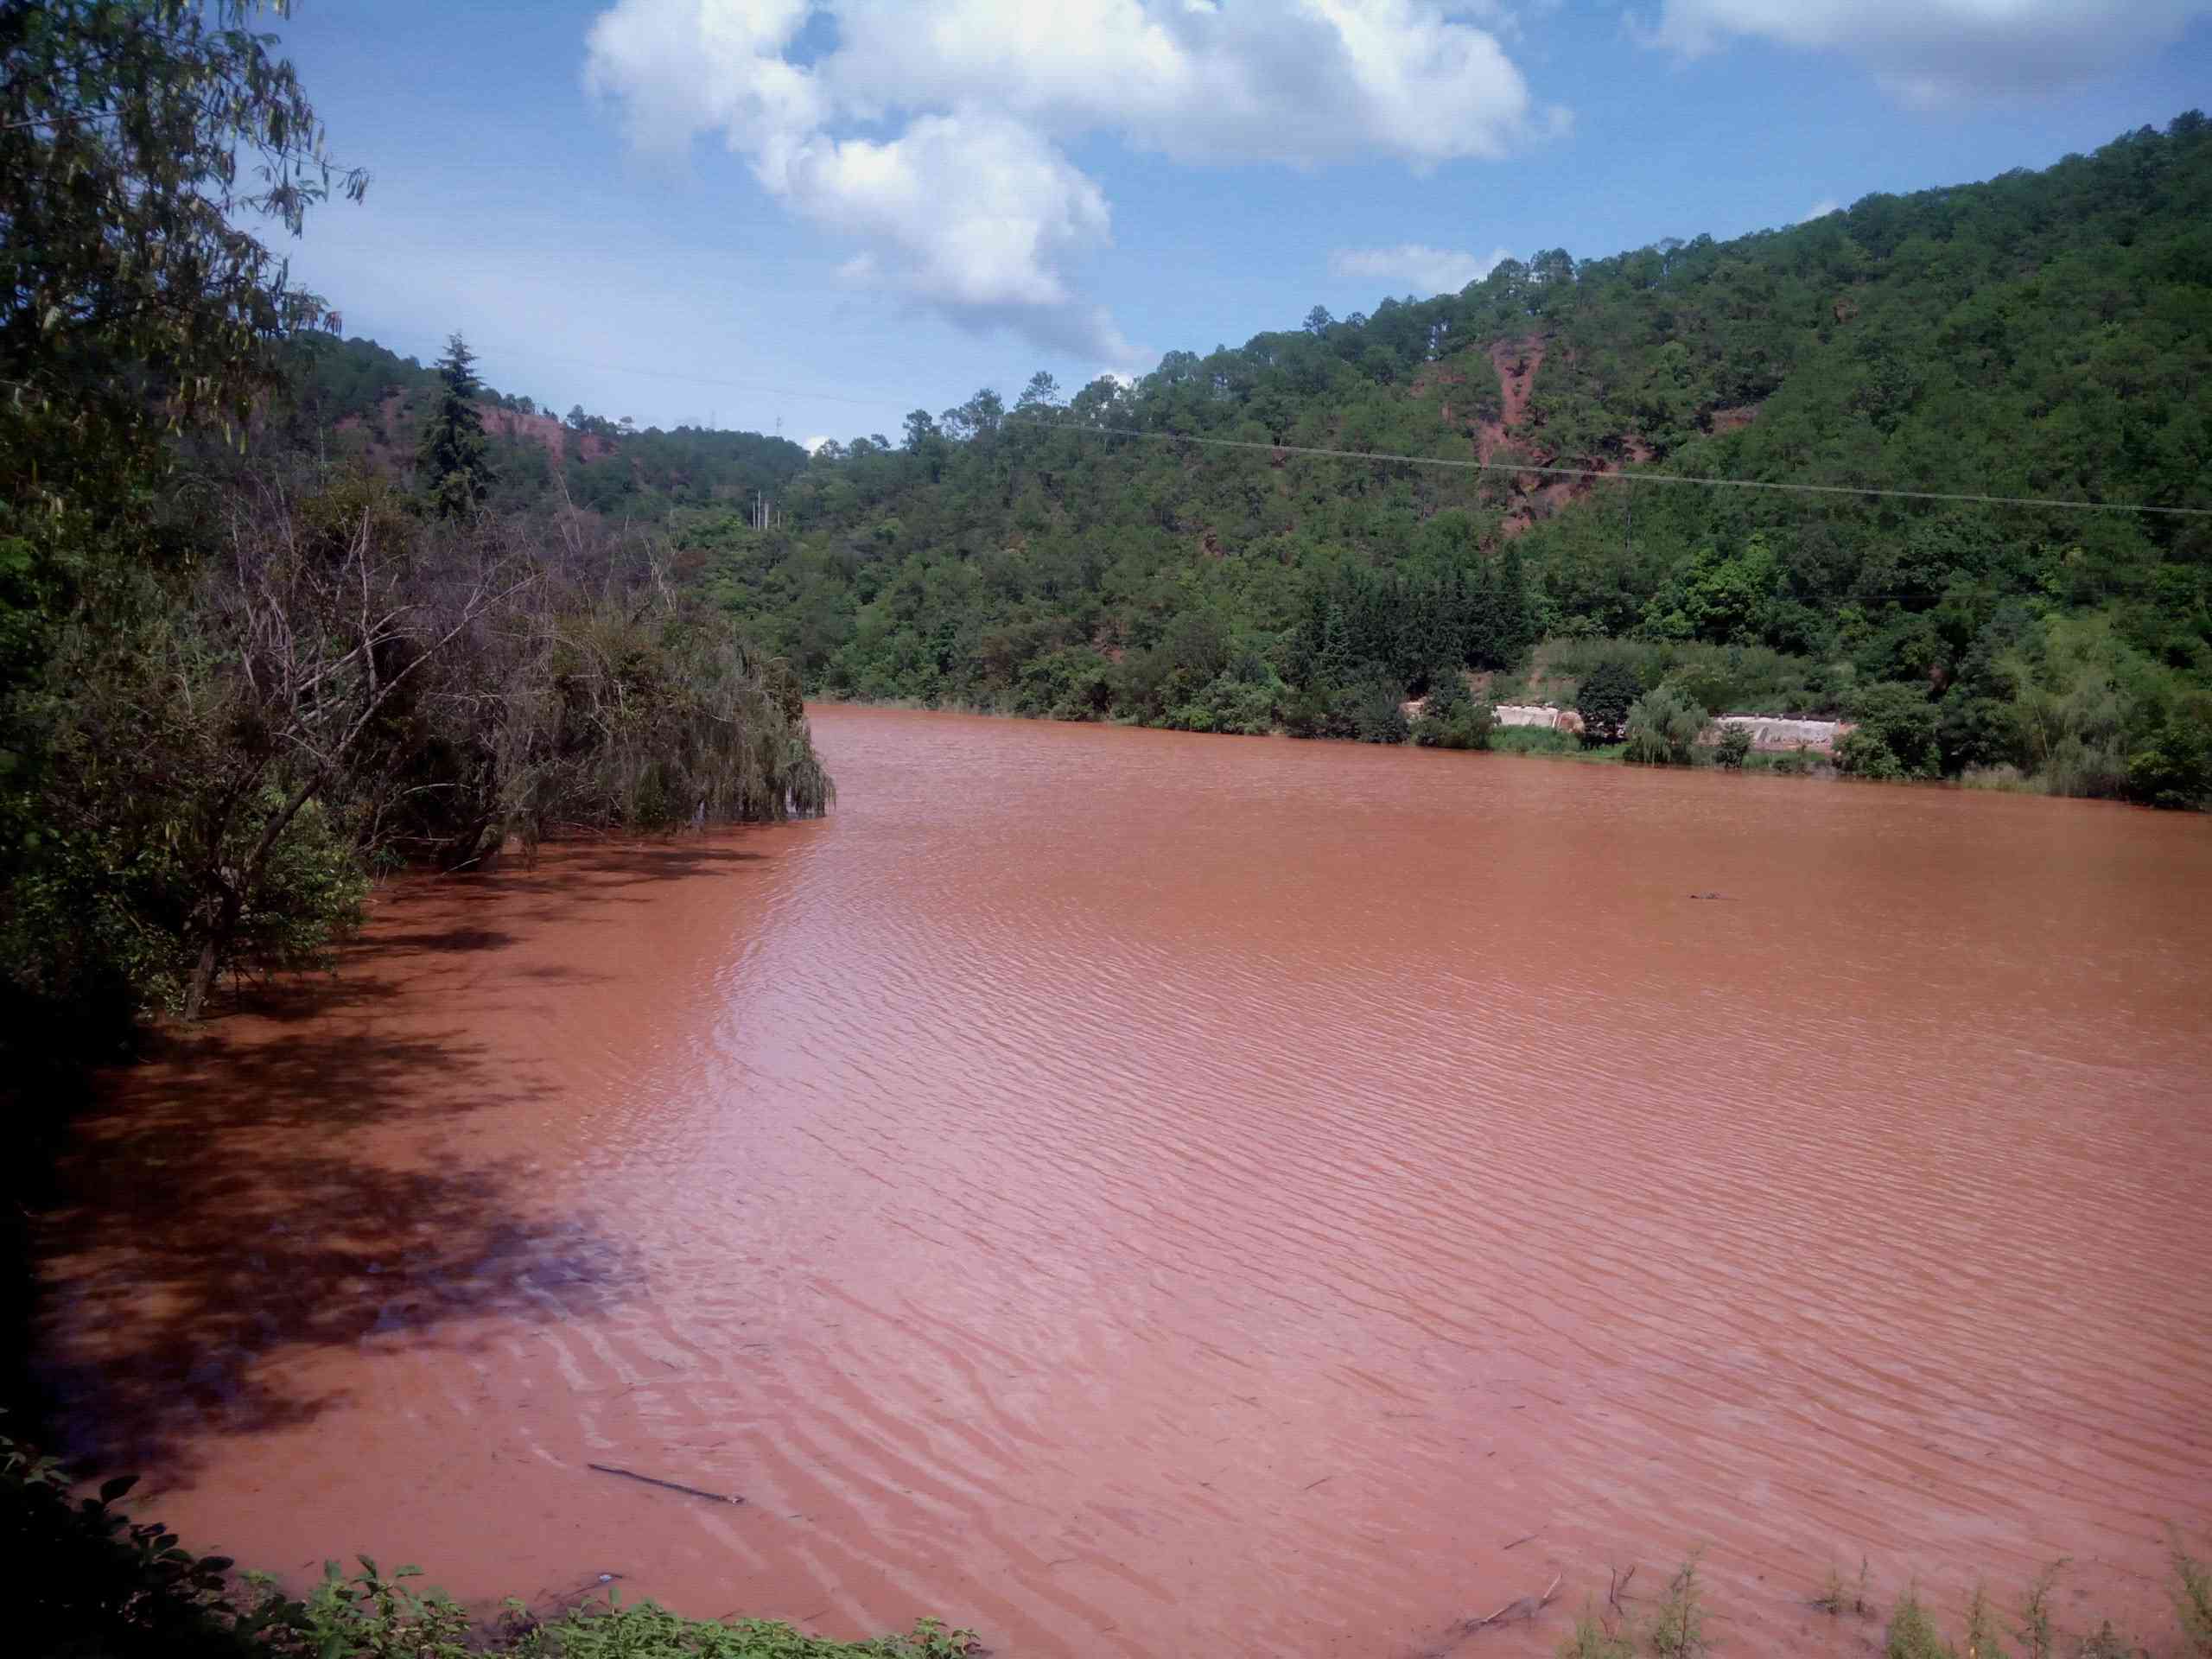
263 1186
246 1195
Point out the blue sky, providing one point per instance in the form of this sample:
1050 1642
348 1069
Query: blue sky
827 213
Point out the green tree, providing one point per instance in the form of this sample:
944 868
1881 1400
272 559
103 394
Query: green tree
1663 728
1516 615
452 463
1604 700
139 304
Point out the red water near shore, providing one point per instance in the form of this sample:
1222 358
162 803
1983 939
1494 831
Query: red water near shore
1146 1194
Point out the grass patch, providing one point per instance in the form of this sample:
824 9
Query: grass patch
1533 739
95 1583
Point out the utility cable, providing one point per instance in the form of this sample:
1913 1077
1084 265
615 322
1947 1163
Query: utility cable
1623 476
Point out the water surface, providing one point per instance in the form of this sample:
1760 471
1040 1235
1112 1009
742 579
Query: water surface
1146 1194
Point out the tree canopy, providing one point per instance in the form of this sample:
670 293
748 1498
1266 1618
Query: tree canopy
2039 335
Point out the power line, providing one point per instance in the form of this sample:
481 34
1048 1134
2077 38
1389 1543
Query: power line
1618 476
1623 476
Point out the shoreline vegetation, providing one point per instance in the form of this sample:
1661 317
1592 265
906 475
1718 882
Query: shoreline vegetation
1429 728
1301 531
112 1588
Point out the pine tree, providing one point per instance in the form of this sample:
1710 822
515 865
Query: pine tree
1335 667
1517 617
1481 619
453 462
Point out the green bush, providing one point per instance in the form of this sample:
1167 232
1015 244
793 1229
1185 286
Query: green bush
1896 735
2172 765
1663 729
1376 715
1912 1634
1451 719
1733 749
1243 708
92 1582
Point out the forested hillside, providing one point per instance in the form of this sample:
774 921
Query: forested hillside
2042 334
350 400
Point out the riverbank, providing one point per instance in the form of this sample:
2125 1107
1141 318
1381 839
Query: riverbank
83 1594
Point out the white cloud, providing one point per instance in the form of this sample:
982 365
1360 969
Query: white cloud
1415 268
932 132
1938 53
1821 209
815 442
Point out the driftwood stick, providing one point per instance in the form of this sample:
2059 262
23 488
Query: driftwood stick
671 1485
1525 1607
1517 1542
1615 1590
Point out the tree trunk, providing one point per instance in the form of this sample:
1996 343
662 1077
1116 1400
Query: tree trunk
203 978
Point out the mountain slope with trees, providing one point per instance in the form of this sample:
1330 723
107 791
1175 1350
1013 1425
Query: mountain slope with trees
2043 334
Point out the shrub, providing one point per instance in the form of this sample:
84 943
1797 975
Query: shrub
1663 728
1896 736
92 1581
2193 1601
1676 1629
1594 1639
2087 770
1983 1641
1862 754
1374 715
1451 719
1912 1634
2035 1613
1226 704
2172 767
1733 749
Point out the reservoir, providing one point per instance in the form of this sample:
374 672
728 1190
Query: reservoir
1139 1193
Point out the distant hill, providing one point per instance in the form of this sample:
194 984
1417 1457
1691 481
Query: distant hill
2042 334
370 403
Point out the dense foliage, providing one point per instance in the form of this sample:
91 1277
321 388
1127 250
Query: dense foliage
231 686
2042 334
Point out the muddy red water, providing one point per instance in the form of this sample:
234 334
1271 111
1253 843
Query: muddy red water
1146 1194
